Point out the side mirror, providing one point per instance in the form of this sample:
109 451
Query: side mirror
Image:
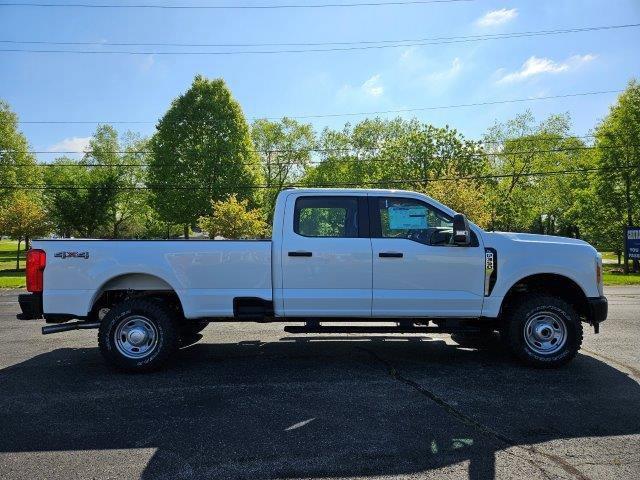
461 231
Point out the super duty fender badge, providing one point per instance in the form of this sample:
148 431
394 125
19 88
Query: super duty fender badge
64 255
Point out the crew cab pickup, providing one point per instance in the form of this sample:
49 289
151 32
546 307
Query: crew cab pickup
336 255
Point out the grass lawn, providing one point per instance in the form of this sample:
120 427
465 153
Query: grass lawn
613 275
9 278
609 256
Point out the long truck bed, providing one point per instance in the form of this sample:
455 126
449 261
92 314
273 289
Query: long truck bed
205 274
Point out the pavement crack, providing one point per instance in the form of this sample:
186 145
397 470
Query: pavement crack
471 422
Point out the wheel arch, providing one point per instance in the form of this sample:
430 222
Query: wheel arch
557 285
137 284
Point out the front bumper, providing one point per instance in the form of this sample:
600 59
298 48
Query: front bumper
597 309
31 306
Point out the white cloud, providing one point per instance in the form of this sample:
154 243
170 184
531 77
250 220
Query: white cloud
497 17
412 59
373 87
74 144
537 66
436 75
447 74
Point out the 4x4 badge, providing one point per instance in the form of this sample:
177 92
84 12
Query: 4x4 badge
63 255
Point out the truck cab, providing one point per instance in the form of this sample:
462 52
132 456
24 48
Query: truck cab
379 254
338 255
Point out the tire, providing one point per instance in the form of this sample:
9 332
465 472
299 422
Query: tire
190 327
543 331
138 335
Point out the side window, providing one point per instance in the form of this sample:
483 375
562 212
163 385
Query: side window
414 220
326 217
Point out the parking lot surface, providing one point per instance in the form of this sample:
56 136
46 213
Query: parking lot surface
251 401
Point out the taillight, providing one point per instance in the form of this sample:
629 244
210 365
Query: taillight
36 261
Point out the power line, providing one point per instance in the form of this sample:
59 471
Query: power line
230 7
328 185
460 105
322 150
283 51
551 138
344 114
365 44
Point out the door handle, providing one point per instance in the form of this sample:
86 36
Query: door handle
390 255
300 254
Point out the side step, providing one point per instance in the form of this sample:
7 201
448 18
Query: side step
316 328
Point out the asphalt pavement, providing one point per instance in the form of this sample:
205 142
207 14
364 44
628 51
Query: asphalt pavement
251 401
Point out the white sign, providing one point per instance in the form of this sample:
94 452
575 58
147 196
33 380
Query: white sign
408 218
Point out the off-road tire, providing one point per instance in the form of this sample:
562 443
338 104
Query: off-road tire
530 306
156 313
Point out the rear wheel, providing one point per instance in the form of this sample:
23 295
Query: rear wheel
543 331
138 335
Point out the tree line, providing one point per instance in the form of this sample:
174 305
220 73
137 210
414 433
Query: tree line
206 168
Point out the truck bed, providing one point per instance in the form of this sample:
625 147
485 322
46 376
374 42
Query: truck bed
206 274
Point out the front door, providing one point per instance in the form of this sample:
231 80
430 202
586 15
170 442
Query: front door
417 271
326 259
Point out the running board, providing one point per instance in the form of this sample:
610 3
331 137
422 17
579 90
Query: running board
353 329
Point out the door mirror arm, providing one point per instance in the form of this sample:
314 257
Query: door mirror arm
461 231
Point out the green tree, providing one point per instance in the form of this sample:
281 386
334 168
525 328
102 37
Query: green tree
429 152
464 195
352 156
79 197
523 198
232 218
201 151
17 165
23 218
121 161
599 224
393 154
618 142
285 151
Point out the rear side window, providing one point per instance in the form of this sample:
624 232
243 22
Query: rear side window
326 217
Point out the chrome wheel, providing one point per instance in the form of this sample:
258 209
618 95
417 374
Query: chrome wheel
545 333
136 337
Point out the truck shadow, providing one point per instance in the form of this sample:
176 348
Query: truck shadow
319 407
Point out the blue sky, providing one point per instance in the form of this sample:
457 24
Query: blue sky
78 87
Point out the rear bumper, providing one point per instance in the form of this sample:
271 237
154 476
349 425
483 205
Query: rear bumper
31 306
597 310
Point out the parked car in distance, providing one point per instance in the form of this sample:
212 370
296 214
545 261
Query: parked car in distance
338 255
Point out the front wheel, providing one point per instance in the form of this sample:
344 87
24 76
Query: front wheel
543 331
138 335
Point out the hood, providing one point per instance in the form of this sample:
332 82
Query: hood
530 237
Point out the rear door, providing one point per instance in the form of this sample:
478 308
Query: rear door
417 272
326 256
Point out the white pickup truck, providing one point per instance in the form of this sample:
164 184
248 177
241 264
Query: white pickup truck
343 255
